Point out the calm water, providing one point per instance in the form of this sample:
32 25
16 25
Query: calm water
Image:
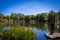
39 29
40 34
43 27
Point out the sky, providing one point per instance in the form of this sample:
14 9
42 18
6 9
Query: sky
28 7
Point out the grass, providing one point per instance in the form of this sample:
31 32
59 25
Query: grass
21 33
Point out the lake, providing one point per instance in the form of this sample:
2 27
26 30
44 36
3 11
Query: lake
39 29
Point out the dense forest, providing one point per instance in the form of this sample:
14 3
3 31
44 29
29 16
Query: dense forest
21 18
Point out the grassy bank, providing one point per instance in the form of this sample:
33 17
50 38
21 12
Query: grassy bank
18 34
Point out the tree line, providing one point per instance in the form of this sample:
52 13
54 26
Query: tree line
41 17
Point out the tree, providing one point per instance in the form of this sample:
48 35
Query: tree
37 18
59 21
27 19
43 17
2 17
13 16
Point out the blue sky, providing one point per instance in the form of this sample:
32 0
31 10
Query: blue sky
28 7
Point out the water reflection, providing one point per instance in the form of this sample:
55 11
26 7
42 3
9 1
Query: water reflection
40 34
43 26
5 28
39 28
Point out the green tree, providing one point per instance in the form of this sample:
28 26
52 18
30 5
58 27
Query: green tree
59 21
37 18
43 17
2 17
27 19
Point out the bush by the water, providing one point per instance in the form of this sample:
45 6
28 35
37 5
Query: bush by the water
18 34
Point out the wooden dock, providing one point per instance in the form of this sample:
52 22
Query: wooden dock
55 36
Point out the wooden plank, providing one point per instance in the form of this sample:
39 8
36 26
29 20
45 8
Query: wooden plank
55 35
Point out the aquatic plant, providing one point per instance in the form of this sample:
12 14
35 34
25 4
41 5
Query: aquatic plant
18 34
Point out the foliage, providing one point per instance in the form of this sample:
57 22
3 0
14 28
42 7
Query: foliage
51 16
18 34
18 17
